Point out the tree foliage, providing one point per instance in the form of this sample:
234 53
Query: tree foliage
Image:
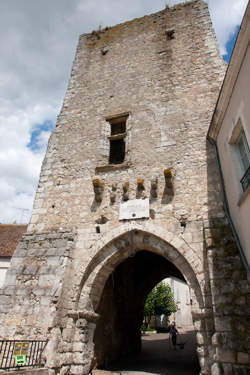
160 301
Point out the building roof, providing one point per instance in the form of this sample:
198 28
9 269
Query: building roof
230 79
10 235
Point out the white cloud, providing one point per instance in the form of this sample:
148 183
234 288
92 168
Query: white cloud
37 45
42 140
226 15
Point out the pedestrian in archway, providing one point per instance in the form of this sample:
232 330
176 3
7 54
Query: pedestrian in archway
173 334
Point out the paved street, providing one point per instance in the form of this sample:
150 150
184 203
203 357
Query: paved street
158 357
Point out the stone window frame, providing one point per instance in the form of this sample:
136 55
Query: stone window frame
243 151
117 133
107 137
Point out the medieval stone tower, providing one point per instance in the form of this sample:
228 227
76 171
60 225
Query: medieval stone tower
128 195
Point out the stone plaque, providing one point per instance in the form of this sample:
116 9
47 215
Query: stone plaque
134 209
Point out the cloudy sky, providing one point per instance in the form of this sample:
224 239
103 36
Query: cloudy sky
37 46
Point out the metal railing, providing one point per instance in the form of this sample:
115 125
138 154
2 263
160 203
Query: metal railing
245 181
21 353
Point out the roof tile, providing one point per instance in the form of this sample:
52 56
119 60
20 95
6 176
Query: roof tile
10 235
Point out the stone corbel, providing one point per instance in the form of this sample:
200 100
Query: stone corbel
98 189
113 193
125 188
168 178
169 186
140 188
89 316
154 187
140 184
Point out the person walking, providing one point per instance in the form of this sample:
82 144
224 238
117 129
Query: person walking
173 334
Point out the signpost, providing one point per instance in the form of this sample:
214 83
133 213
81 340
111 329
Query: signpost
20 353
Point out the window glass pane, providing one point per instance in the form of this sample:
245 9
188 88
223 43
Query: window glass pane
243 150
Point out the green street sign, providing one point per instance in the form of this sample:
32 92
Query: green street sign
20 360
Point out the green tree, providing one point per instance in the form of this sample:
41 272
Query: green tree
160 301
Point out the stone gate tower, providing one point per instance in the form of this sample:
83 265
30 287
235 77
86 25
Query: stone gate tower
128 195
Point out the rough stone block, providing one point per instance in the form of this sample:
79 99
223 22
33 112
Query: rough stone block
243 358
244 286
224 355
216 339
215 369
227 368
79 369
64 370
67 334
199 338
223 324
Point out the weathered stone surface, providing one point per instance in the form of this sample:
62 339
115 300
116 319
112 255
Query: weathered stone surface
103 372
200 339
33 292
77 251
215 369
64 370
79 369
227 368
243 358
34 371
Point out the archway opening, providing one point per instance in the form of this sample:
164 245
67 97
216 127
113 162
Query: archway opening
118 331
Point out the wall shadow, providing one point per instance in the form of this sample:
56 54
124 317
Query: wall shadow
226 277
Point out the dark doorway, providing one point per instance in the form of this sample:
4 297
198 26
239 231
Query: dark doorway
118 331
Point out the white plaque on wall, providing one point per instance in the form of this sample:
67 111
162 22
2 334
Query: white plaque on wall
134 209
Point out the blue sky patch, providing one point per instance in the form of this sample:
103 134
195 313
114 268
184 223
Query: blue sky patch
35 139
230 44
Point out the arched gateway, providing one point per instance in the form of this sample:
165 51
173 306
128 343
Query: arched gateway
129 194
131 241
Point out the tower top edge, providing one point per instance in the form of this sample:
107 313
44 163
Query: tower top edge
174 8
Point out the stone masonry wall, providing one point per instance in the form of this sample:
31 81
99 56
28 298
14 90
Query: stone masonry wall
230 299
163 72
33 285
168 87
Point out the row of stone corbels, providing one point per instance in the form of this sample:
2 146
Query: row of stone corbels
98 186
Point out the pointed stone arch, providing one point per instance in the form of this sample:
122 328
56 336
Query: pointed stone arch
115 247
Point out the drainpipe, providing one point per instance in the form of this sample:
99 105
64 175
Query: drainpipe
226 206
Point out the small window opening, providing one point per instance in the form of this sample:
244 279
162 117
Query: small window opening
118 128
117 151
117 139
